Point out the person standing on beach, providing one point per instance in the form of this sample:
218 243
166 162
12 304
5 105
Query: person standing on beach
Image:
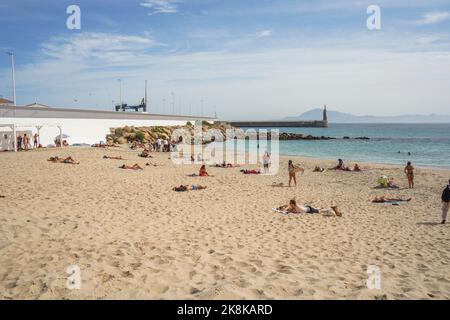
35 140
409 171
293 169
26 141
445 202
19 142
266 161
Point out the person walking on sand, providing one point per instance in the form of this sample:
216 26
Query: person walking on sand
409 171
293 169
445 202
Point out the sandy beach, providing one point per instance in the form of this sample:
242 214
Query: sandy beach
134 238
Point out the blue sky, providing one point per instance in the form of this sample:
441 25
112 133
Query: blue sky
246 59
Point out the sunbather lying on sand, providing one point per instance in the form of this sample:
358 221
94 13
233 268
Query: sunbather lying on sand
99 145
318 169
68 160
145 154
113 158
184 188
2 196
245 171
226 165
133 167
293 207
383 199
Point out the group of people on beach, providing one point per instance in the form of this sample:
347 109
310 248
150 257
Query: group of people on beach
23 142
293 169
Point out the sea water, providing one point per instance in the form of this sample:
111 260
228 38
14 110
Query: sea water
426 145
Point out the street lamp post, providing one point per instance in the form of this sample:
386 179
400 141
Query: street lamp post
13 77
14 98
120 92
173 103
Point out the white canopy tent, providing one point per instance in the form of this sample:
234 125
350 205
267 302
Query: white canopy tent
14 128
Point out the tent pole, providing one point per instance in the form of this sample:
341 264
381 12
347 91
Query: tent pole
14 137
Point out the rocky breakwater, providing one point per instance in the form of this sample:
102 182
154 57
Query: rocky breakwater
299 136
124 135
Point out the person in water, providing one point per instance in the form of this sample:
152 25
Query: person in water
293 207
445 202
409 171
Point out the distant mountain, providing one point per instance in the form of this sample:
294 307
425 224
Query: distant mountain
340 117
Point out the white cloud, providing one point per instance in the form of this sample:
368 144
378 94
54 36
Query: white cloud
90 45
279 81
434 17
161 6
264 33
429 40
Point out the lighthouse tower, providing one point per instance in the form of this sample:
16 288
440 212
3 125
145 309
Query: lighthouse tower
325 117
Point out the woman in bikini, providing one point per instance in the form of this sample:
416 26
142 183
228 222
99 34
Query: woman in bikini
293 169
68 160
409 171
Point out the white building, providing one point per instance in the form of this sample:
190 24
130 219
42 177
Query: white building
81 125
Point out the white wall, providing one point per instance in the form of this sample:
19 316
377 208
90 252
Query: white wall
81 130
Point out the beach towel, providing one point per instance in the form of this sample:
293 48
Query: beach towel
279 211
392 203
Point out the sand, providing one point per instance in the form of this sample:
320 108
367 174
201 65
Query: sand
134 238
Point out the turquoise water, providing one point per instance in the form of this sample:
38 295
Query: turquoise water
429 144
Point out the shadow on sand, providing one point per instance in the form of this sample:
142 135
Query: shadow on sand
429 223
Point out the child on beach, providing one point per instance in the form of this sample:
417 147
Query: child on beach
409 171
